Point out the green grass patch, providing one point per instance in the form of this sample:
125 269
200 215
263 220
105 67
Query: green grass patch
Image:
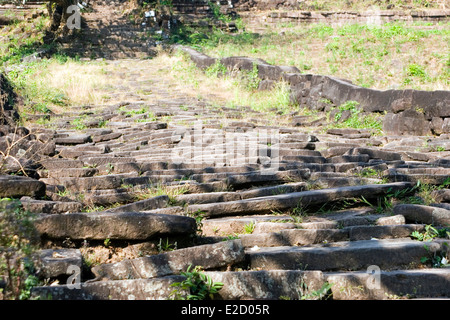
357 119
391 55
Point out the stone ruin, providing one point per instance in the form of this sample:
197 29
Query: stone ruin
408 112
276 219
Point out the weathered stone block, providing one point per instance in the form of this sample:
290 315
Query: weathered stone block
52 263
125 226
409 122
140 289
270 284
352 255
147 204
423 214
208 256
17 186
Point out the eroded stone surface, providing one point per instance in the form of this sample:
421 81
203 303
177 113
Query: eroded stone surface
207 256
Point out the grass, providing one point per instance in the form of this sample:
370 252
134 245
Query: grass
392 55
23 38
356 120
54 85
229 90
161 190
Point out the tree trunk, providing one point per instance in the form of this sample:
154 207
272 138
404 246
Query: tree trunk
57 10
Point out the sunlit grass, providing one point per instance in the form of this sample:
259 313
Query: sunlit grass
375 56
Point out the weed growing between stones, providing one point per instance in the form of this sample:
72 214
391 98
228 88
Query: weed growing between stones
436 259
165 246
249 228
198 216
425 192
196 286
324 293
431 233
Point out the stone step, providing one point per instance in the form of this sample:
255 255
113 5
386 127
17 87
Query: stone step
304 237
353 255
434 179
255 178
106 197
75 152
390 284
123 226
50 207
18 186
59 164
375 153
442 195
343 220
424 214
54 263
268 204
209 256
269 285
69 172
73 139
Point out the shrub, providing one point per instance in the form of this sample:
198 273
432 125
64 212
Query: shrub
17 245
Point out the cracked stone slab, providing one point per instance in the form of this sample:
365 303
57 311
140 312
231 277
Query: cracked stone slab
208 256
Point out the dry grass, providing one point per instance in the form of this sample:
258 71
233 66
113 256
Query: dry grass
230 90
81 83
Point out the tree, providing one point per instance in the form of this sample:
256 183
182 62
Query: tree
57 10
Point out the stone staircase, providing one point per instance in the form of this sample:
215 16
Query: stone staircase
119 29
272 211
109 30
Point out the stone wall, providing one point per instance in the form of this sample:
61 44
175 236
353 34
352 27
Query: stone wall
366 17
273 12
412 112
